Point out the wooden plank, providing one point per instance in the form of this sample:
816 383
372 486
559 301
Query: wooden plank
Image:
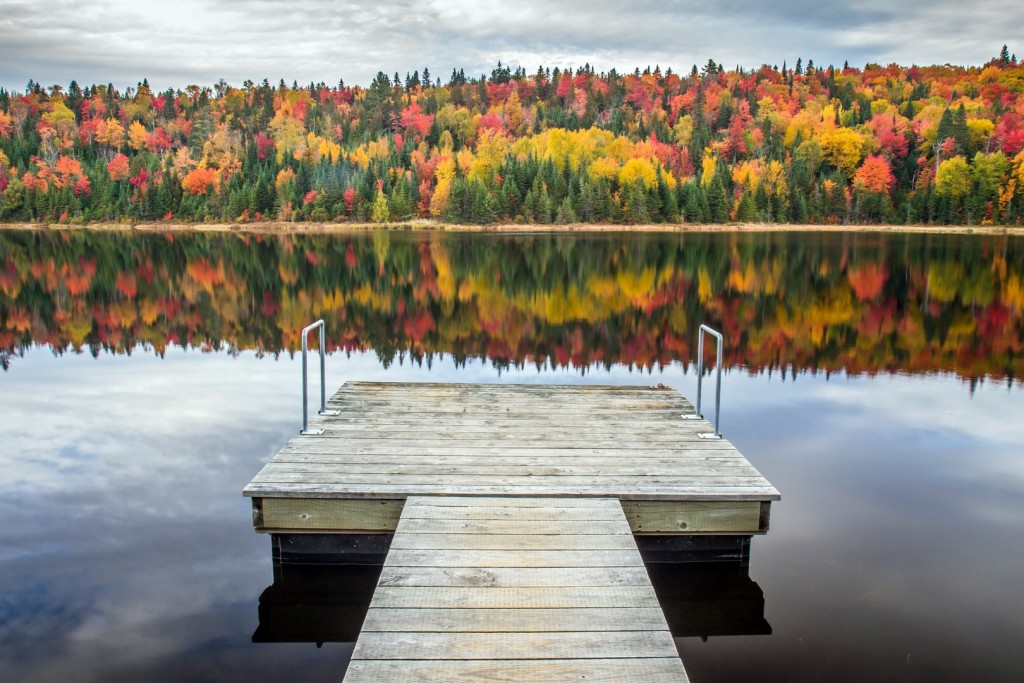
368 386
635 491
490 512
537 597
516 619
330 514
508 541
397 645
693 516
644 517
511 558
328 476
505 402
575 527
640 424
385 390
519 577
313 449
384 414
401 391
633 670
514 504
502 467
396 417
497 437
494 514
366 415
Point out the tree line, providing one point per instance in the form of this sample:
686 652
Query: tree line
801 144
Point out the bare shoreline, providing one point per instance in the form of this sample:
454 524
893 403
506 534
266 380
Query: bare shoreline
279 227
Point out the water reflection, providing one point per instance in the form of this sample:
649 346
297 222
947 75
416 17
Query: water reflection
857 303
322 602
316 603
127 553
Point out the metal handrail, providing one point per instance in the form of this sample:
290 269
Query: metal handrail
718 380
323 382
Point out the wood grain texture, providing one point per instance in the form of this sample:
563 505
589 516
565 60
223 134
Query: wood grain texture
330 514
520 577
654 670
674 517
638 490
511 646
516 619
504 589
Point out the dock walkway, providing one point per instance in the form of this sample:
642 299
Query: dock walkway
513 510
523 589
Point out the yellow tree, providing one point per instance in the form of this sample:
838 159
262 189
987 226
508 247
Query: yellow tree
380 210
445 173
954 177
62 119
288 132
843 148
638 170
137 135
515 119
491 150
111 134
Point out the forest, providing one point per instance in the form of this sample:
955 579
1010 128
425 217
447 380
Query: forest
933 145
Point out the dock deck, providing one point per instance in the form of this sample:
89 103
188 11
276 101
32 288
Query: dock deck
514 510
392 441
522 589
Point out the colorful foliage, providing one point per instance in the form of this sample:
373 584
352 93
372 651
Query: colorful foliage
822 145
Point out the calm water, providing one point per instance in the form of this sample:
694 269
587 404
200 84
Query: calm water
874 380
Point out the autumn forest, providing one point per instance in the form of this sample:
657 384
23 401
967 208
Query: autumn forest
799 143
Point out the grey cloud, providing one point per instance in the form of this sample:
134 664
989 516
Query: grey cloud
54 41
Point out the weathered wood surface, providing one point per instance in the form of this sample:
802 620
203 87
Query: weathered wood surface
655 670
489 589
394 440
327 514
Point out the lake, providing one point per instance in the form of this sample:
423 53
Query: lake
874 379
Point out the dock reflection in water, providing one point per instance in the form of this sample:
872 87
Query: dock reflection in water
323 585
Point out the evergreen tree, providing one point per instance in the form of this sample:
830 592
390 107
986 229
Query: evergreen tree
566 213
746 211
718 203
634 204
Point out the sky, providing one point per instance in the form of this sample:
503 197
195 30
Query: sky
180 42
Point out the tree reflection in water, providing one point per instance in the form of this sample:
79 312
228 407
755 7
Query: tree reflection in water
787 302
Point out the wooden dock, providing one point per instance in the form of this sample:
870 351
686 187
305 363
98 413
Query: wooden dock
514 510
524 589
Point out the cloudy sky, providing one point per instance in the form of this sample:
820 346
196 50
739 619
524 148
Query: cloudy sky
178 42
